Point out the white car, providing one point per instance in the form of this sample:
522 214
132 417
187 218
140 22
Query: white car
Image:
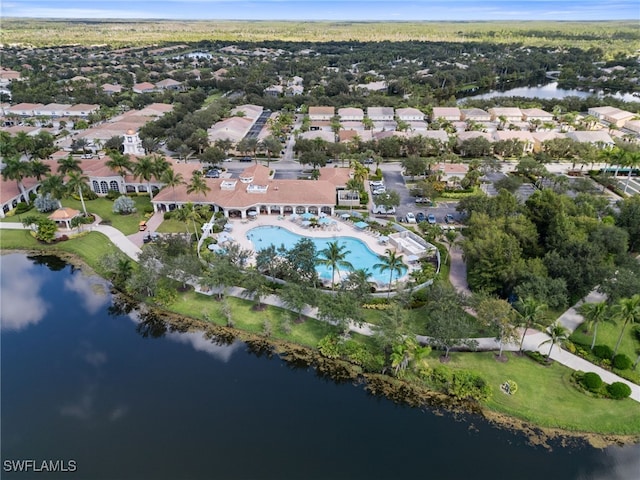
381 210
410 218
379 190
376 184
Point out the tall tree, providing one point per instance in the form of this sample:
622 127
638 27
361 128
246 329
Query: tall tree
144 169
38 169
532 313
626 310
497 313
594 314
391 262
69 164
334 257
119 163
15 169
77 181
54 186
171 179
198 184
558 335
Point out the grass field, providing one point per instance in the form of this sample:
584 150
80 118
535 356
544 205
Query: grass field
91 247
546 396
197 305
102 207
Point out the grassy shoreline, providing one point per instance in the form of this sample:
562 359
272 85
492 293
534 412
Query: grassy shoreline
546 401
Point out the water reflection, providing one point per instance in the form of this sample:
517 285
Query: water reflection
548 91
93 291
21 293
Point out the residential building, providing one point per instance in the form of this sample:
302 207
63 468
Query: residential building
351 114
510 114
321 113
599 138
381 114
611 115
451 114
409 115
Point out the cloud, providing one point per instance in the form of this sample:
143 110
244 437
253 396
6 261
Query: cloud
83 407
92 290
21 305
201 344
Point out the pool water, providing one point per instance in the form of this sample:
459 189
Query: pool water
360 257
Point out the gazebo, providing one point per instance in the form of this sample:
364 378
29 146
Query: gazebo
64 215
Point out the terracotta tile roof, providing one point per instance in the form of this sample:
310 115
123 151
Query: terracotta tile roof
65 213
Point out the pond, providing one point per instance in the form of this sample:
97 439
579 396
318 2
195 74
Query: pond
84 382
550 90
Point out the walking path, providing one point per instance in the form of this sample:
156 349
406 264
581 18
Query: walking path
570 319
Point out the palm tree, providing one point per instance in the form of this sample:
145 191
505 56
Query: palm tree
144 169
594 313
23 143
77 181
532 312
198 184
54 186
160 165
15 169
119 163
449 238
558 333
172 179
68 164
334 258
627 310
38 169
392 262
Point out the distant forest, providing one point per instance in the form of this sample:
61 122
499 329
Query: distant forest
614 37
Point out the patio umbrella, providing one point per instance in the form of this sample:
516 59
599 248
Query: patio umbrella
252 213
361 225
307 216
325 220
228 227
214 248
412 258
306 223
344 216
383 239
293 216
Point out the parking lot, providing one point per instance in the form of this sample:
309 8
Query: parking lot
395 181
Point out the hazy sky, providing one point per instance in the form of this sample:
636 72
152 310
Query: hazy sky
328 9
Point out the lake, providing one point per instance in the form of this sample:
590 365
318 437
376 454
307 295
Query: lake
83 383
550 90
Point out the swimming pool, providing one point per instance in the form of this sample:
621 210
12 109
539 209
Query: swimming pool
360 257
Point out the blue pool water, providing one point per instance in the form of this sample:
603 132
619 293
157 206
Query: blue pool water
360 256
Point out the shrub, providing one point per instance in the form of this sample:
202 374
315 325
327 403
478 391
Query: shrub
22 207
112 195
622 362
45 203
619 390
148 210
124 205
167 215
592 381
603 351
636 332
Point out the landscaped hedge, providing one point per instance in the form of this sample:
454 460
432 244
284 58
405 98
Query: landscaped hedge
618 390
603 351
622 362
592 382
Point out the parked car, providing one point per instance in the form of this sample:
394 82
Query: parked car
376 183
212 173
449 218
368 161
87 156
424 200
420 217
381 210
379 190
431 218
410 218
245 159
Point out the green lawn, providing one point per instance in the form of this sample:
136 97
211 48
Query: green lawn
608 335
306 333
173 226
90 247
102 207
546 396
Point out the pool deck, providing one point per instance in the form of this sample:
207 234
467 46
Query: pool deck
342 229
